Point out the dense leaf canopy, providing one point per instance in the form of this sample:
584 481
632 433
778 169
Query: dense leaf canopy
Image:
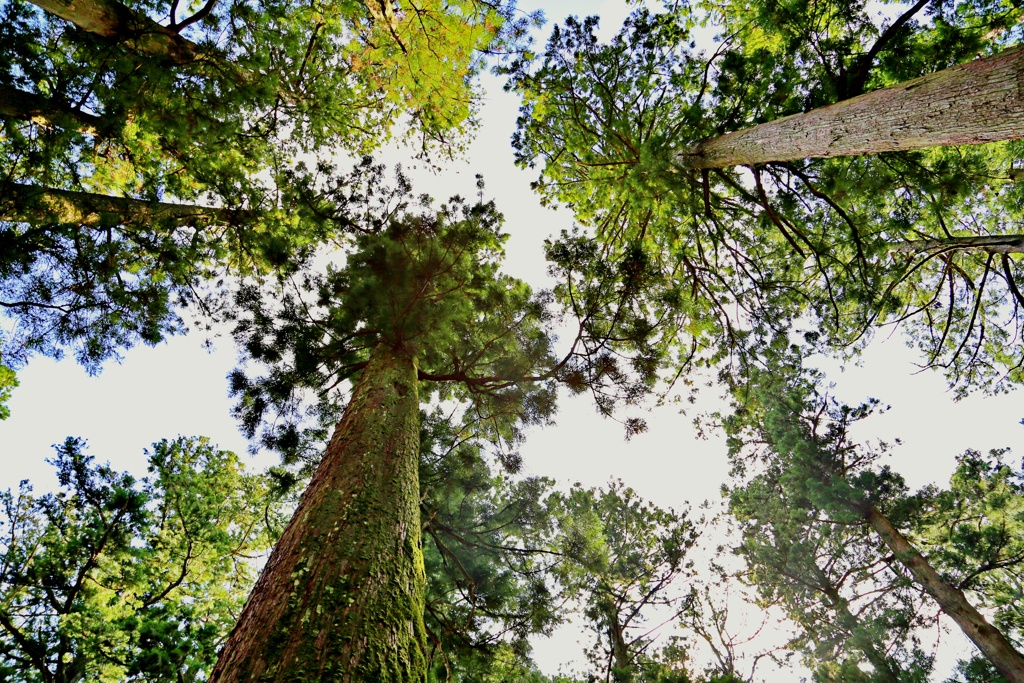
149 149
852 243
113 579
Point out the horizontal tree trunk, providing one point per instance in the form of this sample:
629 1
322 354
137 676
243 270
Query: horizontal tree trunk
18 105
993 645
979 101
115 21
341 598
989 244
40 205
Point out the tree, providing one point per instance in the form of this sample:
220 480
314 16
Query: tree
150 148
819 471
419 302
759 247
851 605
967 104
972 531
488 547
113 579
622 557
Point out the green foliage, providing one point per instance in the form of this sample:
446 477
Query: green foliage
751 250
813 506
413 276
8 383
974 530
488 541
113 579
800 486
220 123
623 555
976 670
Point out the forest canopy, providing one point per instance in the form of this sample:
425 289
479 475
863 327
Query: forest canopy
718 207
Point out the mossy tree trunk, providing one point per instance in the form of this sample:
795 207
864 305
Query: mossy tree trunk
341 598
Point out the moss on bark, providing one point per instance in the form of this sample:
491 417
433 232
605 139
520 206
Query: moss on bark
341 598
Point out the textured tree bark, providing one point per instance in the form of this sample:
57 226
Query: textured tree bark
621 669
112 20
988 244
341 598
979 101
41 205
18 105
993 645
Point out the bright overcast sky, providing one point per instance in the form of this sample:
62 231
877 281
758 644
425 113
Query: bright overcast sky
180 388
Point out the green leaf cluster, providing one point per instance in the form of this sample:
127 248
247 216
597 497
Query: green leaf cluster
841 241
624 558
489 554
114 579
210 109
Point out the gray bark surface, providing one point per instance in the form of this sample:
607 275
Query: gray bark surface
40 205
972 103
115 21
988 244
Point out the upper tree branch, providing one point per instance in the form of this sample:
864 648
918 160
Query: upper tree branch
864 63
18 105
116 22
31 204
988 244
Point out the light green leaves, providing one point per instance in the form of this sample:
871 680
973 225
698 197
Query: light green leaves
112 579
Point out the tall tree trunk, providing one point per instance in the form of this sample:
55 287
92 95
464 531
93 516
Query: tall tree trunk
979 101
40 205
988 244
993 645
341 598
115 21
18 105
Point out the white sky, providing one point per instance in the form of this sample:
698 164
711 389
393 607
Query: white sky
179 388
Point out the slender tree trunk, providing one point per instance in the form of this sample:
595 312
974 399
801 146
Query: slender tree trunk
115 21
849 621
979 101
622 665
18 105
993 645
341 598
41 205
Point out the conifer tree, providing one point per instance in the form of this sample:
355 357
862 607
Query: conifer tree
625 558
833 488
417 311
110 578
618 130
